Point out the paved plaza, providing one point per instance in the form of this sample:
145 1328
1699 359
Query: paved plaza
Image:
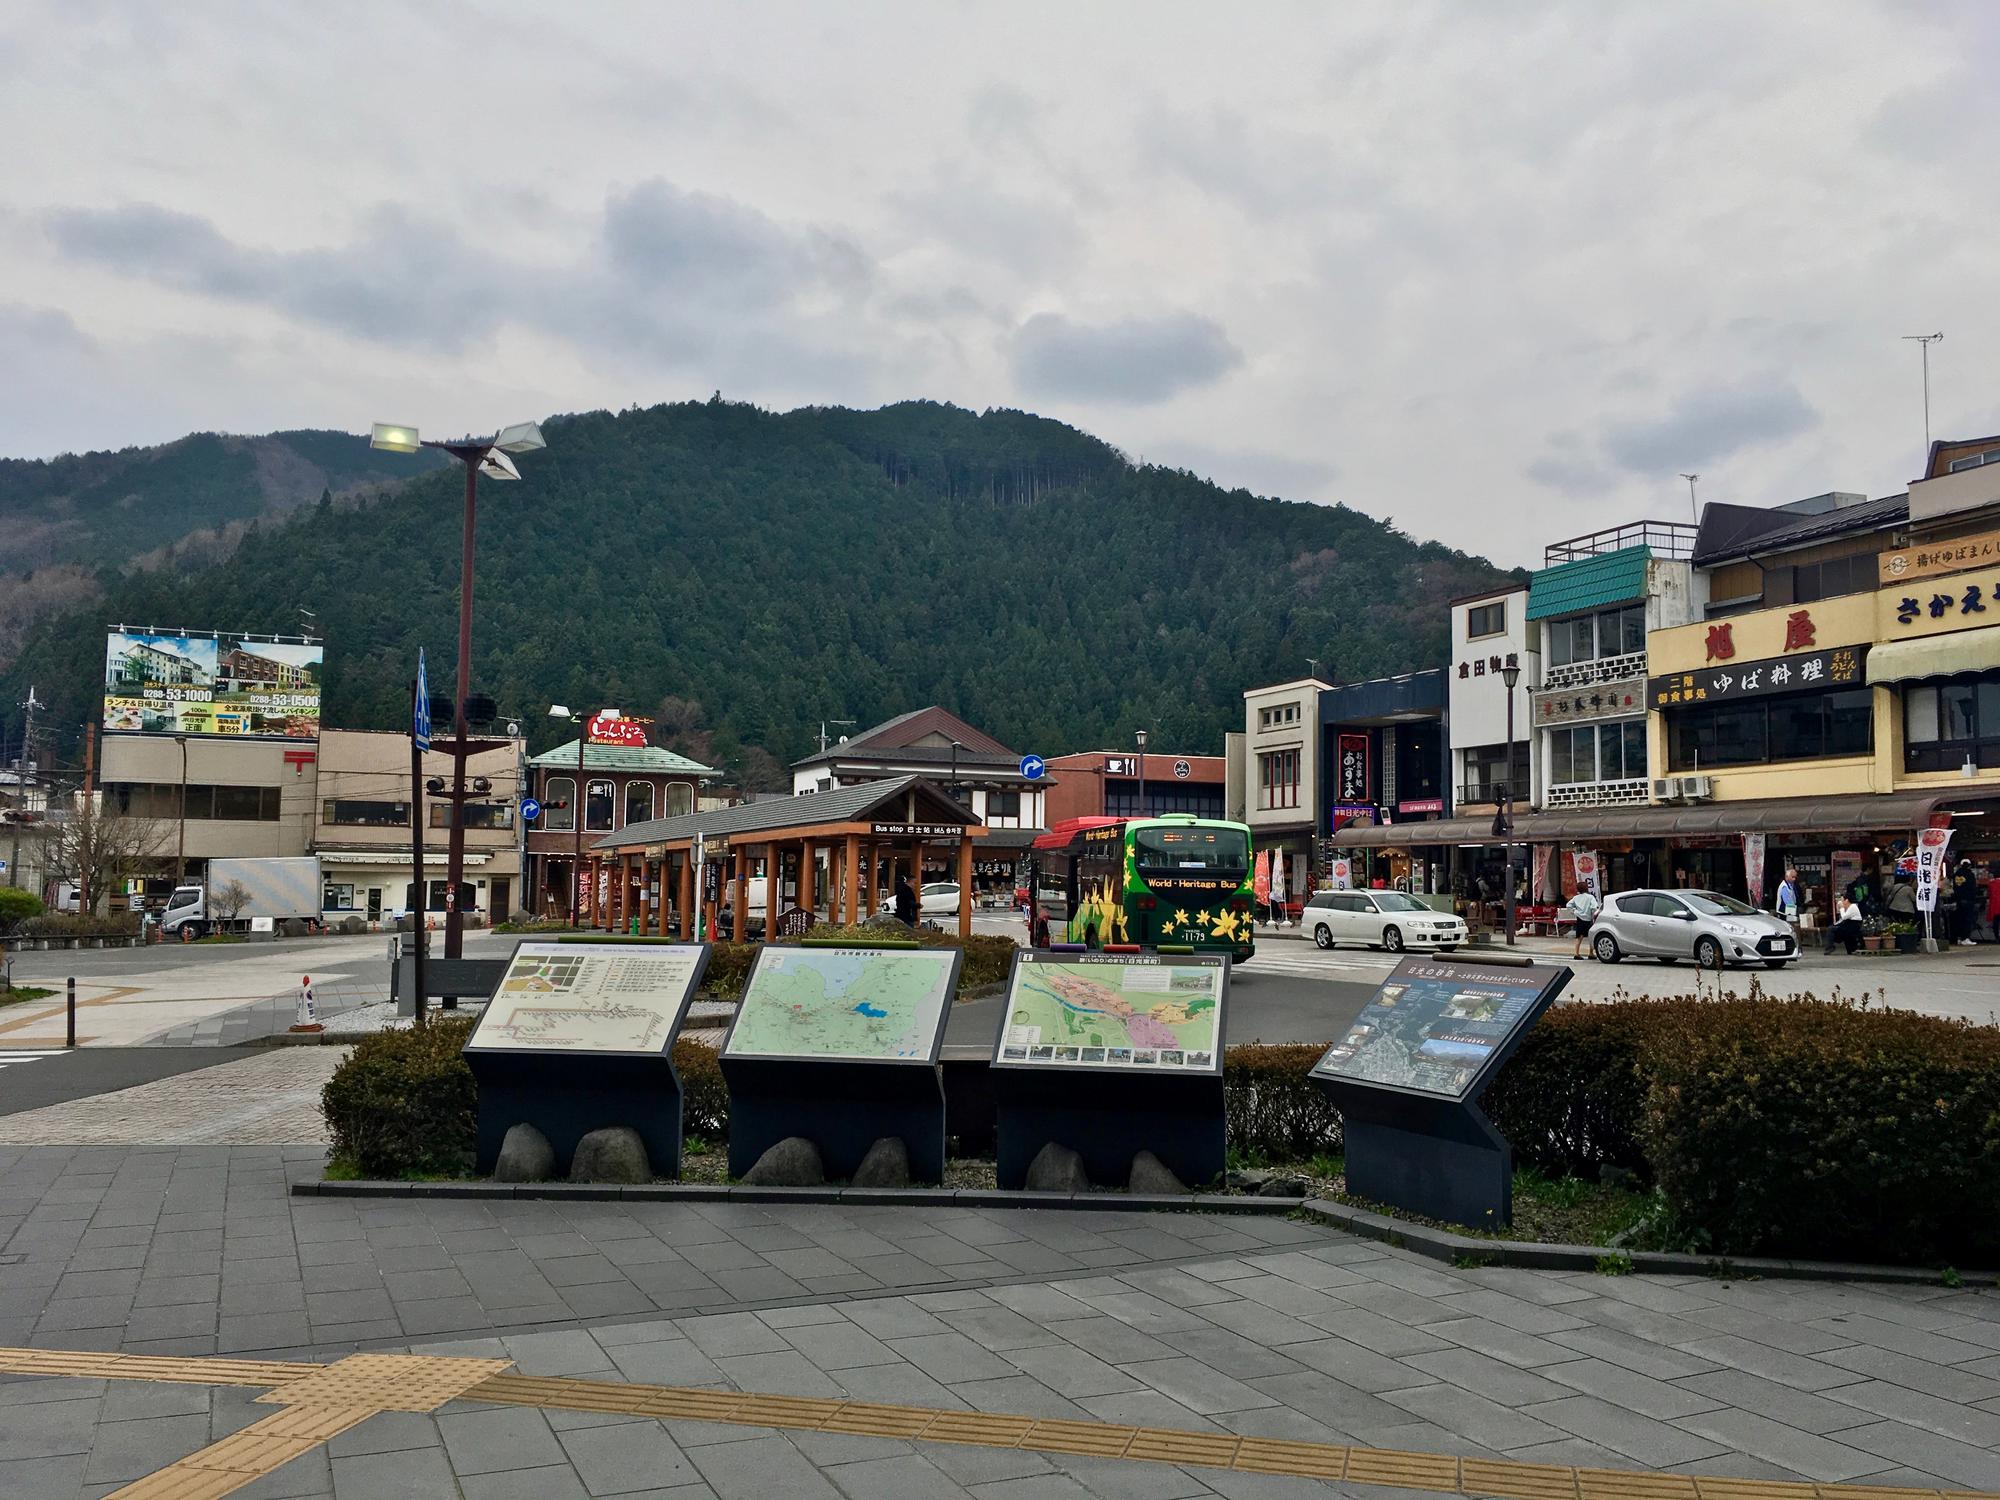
1186 1323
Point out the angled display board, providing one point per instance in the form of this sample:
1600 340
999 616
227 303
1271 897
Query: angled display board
1124 1011
578 1036
1111 1054
1407 1074
1439 1027
591 997
852 1004
838 1044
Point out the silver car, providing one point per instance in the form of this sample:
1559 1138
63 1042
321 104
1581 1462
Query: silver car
1707 927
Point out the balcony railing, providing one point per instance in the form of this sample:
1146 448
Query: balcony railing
1628 793
1488 793
1666 538
1577 674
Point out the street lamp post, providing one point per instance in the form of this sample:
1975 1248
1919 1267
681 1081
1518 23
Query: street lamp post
1510 674
1141 736
488 456
180 841
561 711
955 748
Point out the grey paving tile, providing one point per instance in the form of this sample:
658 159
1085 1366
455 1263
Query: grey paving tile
1492 1379
1230 1352
123 1451
1334 1402
1656 1444
992 1326
950 1357
666 1362
1918 1343
907 1476
1762 1437
1049 1486
483 1442
732 1333
410 1474
838 1345
1371 1330
1795 1408
1629 1352
1352 1365
1197 1386
557 1482
1800 1371
1918 1374
1020 1395
786 1373
1967 1424
1109 1339
757 1470
388 1432
1145 1408
1471 1415
1961 1463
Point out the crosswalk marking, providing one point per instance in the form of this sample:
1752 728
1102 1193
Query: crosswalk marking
1317 963
7 1057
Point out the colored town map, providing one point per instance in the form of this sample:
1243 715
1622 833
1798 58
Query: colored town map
1110 1012
874 1004
589 997
1433 1025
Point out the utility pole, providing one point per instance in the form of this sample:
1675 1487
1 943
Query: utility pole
1926 340
1694 509
21 783
836 722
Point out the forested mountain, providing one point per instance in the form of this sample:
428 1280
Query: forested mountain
754 572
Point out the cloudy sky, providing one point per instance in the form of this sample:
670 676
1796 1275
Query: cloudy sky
1499 271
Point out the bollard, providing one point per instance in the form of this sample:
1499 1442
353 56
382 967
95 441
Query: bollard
72 1015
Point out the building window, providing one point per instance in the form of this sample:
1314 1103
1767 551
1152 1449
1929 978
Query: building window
1598 752
1485 619
351 814
600 803
1278 779
1948 723
638 802
558 804
234 804
1858 574
1003 805
680 799
477 815
1759 731
336 897
1486 773
1277 717
1609 632
1202 801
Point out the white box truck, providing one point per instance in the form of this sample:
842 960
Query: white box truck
283 889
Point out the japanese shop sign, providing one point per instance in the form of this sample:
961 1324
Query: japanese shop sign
1935 558
1597 701
1353 784
1836 667
1481 666
1926 608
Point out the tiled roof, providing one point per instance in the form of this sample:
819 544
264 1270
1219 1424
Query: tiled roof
620 758
1759 532
904 730
1589 583
840 805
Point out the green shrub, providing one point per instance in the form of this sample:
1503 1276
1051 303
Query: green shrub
1574 1095
1272 1107
1824 1130
728 967
17 905
704 1096
81 924
405 1102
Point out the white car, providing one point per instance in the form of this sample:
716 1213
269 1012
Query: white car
1380 919
938 899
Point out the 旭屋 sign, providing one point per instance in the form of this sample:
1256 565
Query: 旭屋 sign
1836 667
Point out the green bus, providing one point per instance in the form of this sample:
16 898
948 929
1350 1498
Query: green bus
1170 880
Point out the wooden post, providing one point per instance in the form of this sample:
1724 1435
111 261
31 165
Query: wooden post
964 889
808 896
774 888
739 908
870 857
851 877
687 895
708 906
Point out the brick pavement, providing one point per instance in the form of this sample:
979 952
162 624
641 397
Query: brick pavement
1263 1327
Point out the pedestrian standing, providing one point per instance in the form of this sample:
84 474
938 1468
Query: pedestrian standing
1846 927
906 900
1965 902
1993 900
1902 900
1788 897
1583 909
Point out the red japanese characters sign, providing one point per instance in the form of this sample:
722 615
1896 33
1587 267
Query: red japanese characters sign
609 727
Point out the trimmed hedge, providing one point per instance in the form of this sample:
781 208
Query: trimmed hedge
81 924
1272 1107
704 1096
1826 1131
405 1102
1571 1099
17 905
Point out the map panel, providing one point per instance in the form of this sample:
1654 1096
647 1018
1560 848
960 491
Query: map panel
589 997
1115 1011
1433 1025
859 1004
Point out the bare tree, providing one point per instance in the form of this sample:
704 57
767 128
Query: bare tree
227 902
99 849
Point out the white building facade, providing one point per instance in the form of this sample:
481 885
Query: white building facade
1489 633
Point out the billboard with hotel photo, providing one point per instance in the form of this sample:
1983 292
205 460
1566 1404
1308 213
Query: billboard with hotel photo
238 686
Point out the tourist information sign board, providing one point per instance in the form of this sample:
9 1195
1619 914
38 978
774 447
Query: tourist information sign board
591 997
831 1004
1129 1012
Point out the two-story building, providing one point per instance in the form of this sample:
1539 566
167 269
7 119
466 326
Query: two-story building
1280 757
1493 749
1134 784
222 797
361 829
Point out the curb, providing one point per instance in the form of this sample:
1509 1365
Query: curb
1443 1245
706 1192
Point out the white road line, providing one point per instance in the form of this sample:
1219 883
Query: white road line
7 1057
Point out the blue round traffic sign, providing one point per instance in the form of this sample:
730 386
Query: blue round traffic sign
530 809
1032 767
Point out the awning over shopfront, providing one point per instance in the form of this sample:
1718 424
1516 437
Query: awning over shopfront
1889 811
1934 656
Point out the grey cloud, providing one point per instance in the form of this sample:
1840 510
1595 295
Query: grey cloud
1029 235
1710 424
1255 469
1134 360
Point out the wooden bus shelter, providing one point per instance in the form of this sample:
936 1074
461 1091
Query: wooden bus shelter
643 878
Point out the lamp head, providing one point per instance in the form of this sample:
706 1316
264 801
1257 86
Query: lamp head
497 465
522 437
560 711
392 437
1510 675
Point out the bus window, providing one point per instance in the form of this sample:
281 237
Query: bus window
1216 851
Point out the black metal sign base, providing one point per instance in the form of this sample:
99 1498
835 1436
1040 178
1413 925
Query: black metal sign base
1439 1159
566 1095
1107 1119
841 1107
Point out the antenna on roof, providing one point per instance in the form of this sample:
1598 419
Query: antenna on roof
1693 508
1926 339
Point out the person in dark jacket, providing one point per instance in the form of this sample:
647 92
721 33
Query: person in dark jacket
1967 902
906 901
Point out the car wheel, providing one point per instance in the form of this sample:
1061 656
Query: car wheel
1392 939
1322 935
1776 963
1708 953
1605 946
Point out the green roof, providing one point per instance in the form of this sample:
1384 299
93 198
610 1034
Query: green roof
620 758
1589 583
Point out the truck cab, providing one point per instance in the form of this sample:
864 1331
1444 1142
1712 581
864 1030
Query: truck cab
185 907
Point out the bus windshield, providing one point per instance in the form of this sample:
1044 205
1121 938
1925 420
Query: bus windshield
1215 850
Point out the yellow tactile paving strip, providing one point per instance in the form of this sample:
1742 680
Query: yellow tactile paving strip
322 1401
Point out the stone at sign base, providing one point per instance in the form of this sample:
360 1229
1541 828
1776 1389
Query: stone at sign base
1057 1169
614 1154
887 1165
525 1156
793 1162
1151 1175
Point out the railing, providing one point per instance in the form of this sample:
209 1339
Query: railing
1489 793
1603 669
1666 538
1627 793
